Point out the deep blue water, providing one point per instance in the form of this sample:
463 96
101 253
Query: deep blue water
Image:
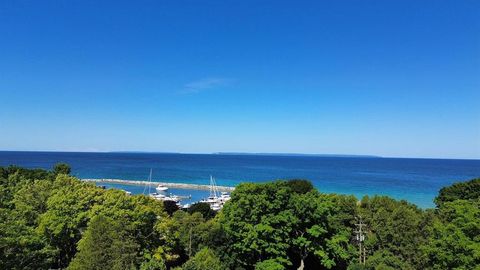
416 180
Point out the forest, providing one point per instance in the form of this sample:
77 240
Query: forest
51 220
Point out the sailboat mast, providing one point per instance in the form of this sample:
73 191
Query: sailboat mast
213 188
150 182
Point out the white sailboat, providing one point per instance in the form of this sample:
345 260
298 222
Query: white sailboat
215 201
161 191
161 188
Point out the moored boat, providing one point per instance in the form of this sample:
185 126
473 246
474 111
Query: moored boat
216 202
161 188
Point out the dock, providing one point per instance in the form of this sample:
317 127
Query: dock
154 184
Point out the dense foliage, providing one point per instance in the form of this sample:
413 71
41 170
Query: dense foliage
272 221
49 219
469 190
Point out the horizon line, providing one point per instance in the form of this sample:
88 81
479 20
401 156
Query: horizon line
293 154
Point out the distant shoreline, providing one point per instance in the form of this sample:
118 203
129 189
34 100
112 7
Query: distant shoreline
359 156
295 155
167 184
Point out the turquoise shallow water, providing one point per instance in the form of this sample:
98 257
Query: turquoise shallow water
416 180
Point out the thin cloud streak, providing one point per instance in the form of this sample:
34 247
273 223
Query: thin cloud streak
205 84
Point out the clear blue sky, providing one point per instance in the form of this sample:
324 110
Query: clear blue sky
390 78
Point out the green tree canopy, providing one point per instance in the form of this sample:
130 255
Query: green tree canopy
384 259
396 227
67 215
459 191
184 235
61 168
454 241
51 220
105 245
300 186
202 208
152 263
170 207
21 246
204 259
270 264
270 221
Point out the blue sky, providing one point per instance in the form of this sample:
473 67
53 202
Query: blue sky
390 78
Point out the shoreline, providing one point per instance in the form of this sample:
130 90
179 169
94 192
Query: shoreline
167 184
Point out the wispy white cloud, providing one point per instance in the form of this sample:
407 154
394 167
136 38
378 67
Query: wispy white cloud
205 84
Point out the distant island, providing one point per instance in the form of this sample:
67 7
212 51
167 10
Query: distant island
295 154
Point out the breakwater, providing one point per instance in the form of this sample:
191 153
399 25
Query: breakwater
154 184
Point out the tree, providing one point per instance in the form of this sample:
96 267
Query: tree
30 200
454 241
61 168
270 264
21 246
153 263
357 266
300 186
257 221
182 236
204 259
48 218
10 185
105 245
459 191
28 174
170 207
202 208
270 221
139 213
385 260
397 227
187 228
67 215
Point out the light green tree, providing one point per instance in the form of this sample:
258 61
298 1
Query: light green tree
21 246
454 241
67 215
270 264
204 259
105 245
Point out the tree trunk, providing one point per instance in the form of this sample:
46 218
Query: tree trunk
301 265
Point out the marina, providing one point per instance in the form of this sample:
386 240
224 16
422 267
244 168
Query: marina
156 184
180 193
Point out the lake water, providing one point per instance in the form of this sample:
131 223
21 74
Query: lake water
415 180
